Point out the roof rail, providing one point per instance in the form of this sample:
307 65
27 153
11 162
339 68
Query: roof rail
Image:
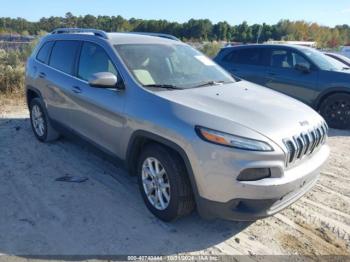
96 32
157 35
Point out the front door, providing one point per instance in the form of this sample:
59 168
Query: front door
98 113
284 75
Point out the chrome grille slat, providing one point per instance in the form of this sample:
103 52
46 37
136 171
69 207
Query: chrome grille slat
295 150
290 150
305 144
314 141
323 133
298 148
301 146
318 137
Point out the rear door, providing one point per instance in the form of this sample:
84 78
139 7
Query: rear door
39 69
59 80
98 112
283 75
246 63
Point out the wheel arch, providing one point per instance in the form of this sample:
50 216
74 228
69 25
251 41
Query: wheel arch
32 92
140 138
321 97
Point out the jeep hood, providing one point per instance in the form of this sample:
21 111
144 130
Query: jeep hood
270 113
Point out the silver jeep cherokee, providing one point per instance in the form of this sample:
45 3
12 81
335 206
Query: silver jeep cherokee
193 135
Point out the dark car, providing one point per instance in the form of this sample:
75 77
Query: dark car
343 59
303 73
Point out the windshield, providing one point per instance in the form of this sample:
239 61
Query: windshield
340 57
345 58
337 62
321 60
167 65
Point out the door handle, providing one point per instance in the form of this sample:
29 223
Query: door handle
76 89
271 74
42 75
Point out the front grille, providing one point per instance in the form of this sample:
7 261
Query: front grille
305 143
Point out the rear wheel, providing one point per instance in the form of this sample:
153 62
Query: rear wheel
336 110
164 184
40 122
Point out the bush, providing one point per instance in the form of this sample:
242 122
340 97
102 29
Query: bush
11 72
11 79
211 49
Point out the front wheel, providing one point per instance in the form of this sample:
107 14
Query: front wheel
164 183
336 110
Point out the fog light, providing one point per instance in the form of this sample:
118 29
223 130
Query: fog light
254 174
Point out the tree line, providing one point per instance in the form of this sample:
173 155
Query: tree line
192 30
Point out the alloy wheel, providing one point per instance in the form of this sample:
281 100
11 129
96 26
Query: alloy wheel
155 183
338 111
38 120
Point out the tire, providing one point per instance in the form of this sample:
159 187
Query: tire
336 110
40 122
175 182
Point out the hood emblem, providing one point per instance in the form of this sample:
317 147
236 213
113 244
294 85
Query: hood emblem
304 123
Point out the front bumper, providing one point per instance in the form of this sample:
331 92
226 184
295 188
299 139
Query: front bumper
252 209
258 199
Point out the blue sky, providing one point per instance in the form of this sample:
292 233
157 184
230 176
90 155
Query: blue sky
325 12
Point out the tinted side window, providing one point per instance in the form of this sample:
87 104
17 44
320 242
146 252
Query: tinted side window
281 58
286 59
44 52
93 59
231 57
246 56
298 59
63 55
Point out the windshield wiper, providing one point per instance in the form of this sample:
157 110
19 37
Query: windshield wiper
346 68
166 86
213 83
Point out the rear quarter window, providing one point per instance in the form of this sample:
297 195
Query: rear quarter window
44 52
63 55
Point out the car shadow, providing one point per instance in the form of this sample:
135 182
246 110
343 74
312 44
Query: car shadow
104 216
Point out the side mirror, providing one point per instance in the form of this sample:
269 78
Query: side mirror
103 80
305 68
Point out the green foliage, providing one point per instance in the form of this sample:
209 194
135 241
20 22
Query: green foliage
11 71
11 79
194 29
211 49
12 62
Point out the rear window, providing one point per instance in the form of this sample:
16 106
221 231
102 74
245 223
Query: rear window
247 56
63 55
44 52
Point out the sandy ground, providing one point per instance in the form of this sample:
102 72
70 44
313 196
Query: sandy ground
106 215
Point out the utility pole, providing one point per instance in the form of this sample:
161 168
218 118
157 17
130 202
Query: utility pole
259 33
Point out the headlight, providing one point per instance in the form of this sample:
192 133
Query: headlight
225 139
